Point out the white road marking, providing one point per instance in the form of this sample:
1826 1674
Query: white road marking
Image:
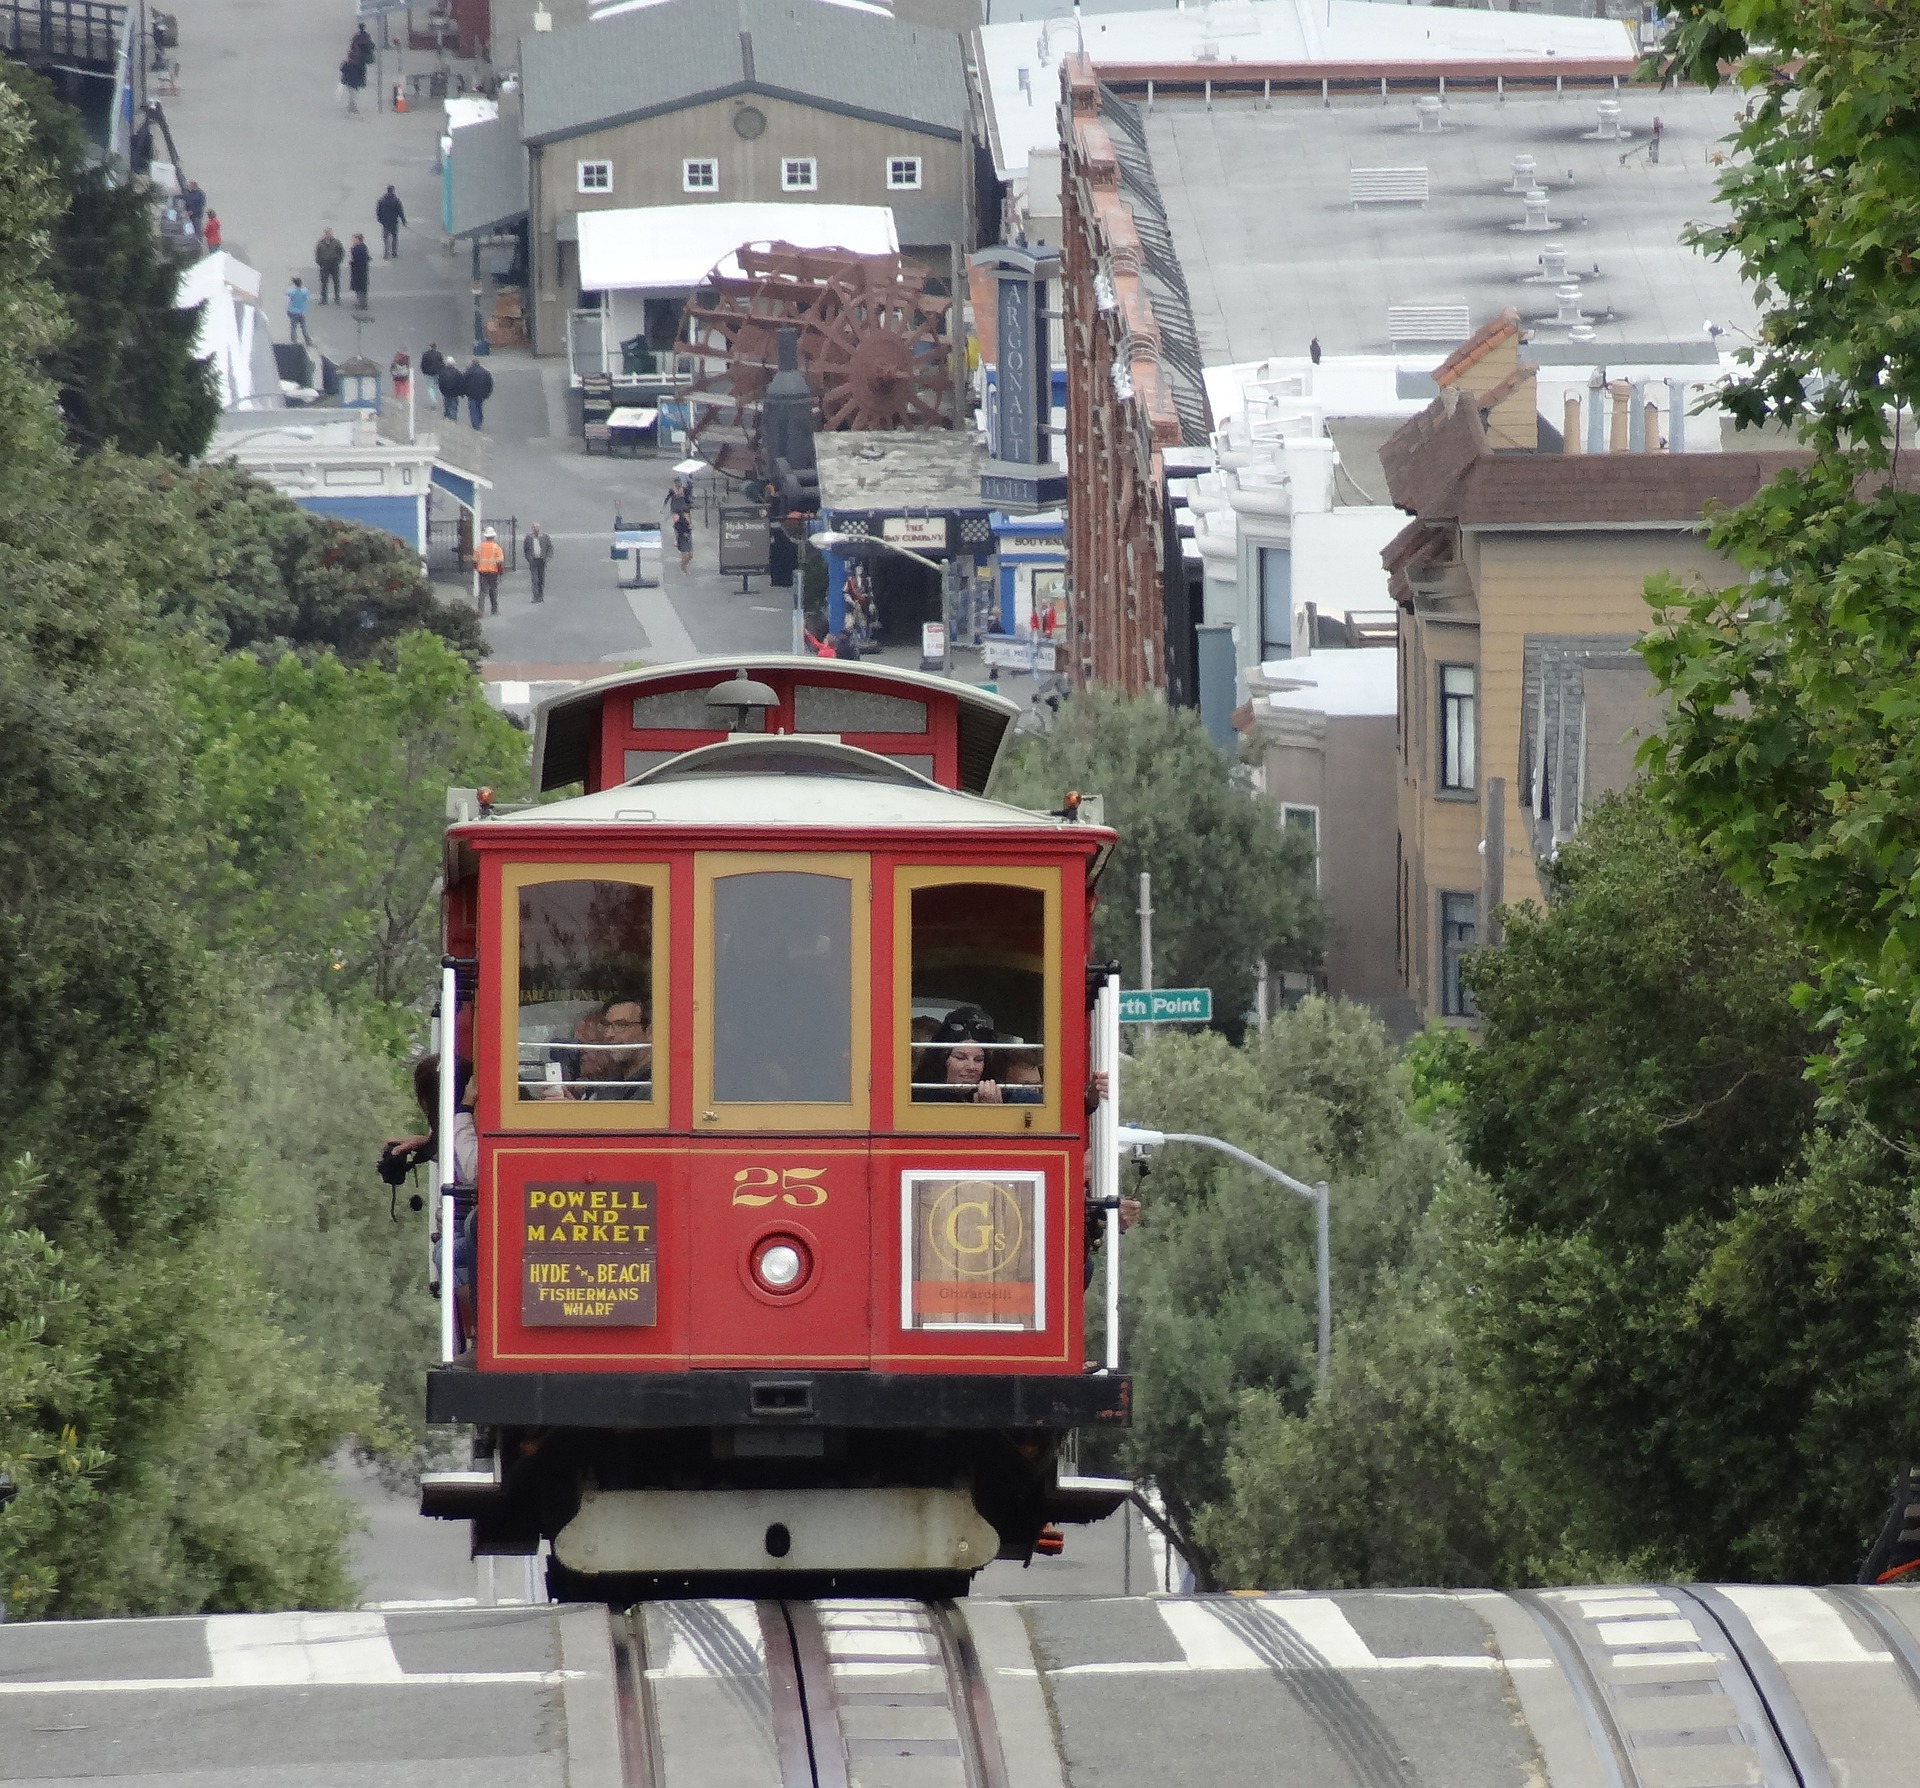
688 1661
263 1650
1319 1621
1166 1668
1206 1640
1800 1626
425 1679
1671 1630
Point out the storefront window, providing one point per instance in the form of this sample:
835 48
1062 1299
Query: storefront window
979 995
586 991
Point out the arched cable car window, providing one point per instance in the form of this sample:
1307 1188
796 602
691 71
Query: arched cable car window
979 994
585 1025
783 989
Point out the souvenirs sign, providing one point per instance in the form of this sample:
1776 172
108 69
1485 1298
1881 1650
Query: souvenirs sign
589 1255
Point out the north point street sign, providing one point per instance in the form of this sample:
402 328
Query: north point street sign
1167 1005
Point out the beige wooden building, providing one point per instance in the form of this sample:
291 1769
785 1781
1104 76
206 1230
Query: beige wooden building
693 102
1520 589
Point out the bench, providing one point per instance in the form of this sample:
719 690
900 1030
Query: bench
1387 186
1447 321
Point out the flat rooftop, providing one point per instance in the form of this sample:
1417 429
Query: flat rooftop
1275 254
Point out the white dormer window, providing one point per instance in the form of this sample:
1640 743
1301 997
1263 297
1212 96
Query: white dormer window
595 176
903 173
702 175
799 173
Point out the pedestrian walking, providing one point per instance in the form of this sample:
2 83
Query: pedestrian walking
679 498
431 362
683 539
1313 350
194 202
477 383
537 549
361 50
392 214
328 255
452 388
488 562
400 374
353 77
297 296
359 271
210 231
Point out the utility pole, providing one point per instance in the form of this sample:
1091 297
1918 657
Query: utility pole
1263 1010
1146 931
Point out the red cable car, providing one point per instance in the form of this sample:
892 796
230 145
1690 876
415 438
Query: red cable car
781 1073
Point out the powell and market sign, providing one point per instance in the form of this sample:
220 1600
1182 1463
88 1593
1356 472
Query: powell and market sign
1167 1005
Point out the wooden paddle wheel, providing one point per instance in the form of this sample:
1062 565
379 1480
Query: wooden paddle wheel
873 346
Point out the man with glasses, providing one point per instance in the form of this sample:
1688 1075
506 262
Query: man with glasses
621 1067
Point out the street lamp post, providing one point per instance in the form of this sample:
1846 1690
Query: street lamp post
1131 1137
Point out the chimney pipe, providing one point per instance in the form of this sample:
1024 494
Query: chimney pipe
1622 394
1652 430
1676 415
1596 411
1570 434
1637 441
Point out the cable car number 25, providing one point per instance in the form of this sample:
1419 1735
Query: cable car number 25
790 1185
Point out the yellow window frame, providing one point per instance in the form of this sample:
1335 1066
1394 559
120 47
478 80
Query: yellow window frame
968 1119
713 1116
583 1114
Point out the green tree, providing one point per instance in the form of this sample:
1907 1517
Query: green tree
1220 1277
1790 749
1685 1307
1229 884
125 369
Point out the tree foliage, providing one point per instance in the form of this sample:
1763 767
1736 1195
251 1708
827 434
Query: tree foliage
125 368
1229 885
1791 747
1686 1307
1220 1278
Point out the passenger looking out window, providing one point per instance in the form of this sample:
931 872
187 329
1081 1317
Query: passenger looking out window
978 1017
586 972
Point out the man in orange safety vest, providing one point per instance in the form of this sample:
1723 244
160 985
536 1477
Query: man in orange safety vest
488 562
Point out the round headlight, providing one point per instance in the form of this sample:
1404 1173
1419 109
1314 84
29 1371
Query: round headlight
779 1266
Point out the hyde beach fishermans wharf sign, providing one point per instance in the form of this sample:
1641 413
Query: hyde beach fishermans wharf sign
589 1255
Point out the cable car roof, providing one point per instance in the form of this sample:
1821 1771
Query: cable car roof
773 780
566 728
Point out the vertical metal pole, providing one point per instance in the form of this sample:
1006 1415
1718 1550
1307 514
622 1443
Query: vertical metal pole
1324 1277
446 1170
1262 995
1146 931
1106 1144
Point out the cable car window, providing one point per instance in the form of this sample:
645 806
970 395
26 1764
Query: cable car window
783 988
979 994
586 991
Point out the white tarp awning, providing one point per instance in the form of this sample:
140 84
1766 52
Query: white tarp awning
671 248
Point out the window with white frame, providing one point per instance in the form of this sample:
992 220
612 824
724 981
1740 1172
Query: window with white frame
1304 823
903 173
1456 727
595 176
799 173
700 174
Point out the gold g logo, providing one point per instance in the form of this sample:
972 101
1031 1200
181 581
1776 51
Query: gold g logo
975 1228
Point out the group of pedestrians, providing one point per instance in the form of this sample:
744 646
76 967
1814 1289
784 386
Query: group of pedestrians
453 381
330 254
490 560
353 71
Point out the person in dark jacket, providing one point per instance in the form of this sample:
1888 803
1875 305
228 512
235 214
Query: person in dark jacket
452 388
477 383
392 214
353 77
431 362
359 271
329 254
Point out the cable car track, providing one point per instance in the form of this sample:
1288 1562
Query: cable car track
1664 1670
798 1694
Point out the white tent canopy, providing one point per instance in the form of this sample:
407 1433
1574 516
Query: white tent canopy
672 248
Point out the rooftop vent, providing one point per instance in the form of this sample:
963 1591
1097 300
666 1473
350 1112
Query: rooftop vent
1426 112
1523 166
1534 203
1609 129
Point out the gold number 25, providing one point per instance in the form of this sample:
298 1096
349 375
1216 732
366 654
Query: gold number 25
796 1186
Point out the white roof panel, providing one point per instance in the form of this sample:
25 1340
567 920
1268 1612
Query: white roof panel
1363 680
762 801
672 248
